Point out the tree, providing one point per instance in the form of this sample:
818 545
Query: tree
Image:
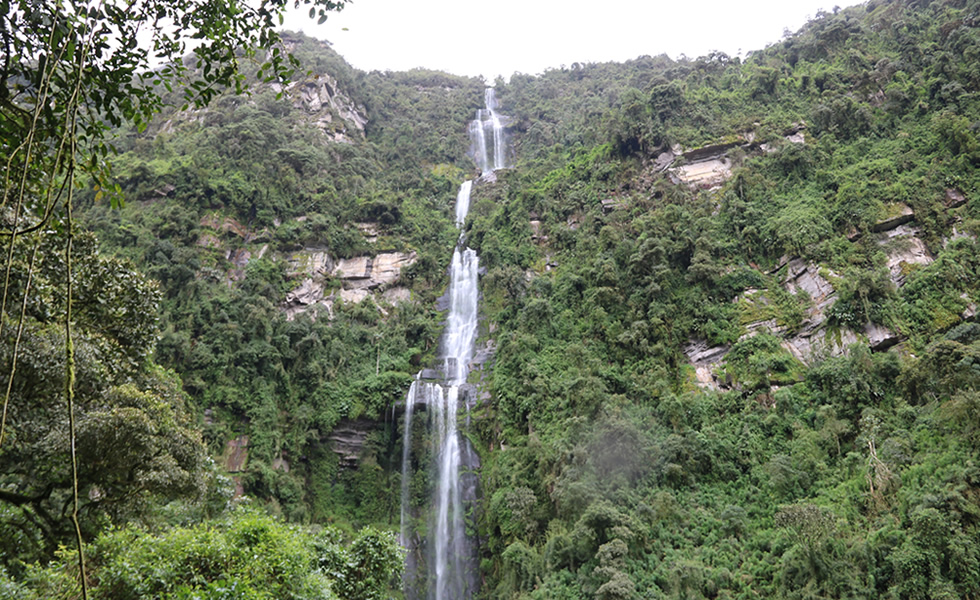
244 555
70 70
133 439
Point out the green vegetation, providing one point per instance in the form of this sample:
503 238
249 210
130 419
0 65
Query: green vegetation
824 458
841 477
244 555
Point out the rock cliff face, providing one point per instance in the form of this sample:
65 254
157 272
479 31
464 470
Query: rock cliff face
327 106
709 166
360 277
331 111
347 440
904 250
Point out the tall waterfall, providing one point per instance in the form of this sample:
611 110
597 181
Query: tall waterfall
451 555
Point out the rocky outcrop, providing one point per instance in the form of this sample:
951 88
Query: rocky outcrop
236 454
709 166
311 262
903 249
954 198
704 173
611 204
364 272
896 214
361 277
347 440
308 298
331 111
813 339
231 225
705 359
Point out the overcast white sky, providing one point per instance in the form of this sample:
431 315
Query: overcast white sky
528 36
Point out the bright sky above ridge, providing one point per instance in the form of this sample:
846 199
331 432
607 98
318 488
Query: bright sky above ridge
528 36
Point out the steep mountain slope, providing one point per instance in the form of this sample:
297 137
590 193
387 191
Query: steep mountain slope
299 242
733 305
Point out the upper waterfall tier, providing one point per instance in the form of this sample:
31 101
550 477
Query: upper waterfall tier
487 135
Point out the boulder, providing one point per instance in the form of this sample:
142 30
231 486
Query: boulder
896 214
971 308
879 337
611 204
954 198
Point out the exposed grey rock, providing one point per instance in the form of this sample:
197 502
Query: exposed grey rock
358 267
443 301
903 247
483 355
611 204
705 359
431 375
802 276
354 296
955 235
364 272
535 230
816 342
307 293
208 240
320 97
310 262
971 309
796 138
308 298
280 464
703 174
757 327
902 214
239 257
368 230
397 295
954 198
879 337
664 160
347 440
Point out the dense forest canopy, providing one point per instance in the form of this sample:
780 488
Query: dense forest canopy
731 307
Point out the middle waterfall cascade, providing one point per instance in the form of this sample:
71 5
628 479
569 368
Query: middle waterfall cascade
451 554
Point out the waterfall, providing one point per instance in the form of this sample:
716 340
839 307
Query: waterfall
488 145
452 559
463 202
